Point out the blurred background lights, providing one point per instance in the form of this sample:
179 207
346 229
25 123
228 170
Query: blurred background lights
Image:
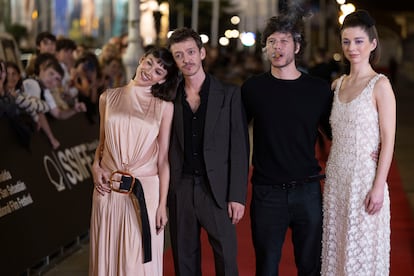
164 7
232 33
340 2
35 14
204 38
345 9
248 39
337 56
224 41
235 33
227 33
235 20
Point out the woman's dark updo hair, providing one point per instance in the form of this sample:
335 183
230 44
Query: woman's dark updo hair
362 19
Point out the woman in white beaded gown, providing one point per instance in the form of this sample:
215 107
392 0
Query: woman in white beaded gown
356 204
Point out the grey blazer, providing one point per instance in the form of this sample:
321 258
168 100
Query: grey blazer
226 145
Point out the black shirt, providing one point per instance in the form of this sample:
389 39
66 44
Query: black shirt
194 131
286 115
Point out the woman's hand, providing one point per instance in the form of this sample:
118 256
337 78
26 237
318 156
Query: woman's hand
100 179
161 218
374 200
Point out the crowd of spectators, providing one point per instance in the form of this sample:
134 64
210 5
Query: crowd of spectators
60 80
63 78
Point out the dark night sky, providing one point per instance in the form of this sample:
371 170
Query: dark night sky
384 5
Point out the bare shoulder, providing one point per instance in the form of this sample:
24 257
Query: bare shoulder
168 108
334 83
383 86
103 96
383 81
169 105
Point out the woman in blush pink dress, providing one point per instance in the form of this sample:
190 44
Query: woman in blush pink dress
131 171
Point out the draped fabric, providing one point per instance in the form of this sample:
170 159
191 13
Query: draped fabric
132 121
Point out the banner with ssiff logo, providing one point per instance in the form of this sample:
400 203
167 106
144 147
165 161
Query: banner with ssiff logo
45 194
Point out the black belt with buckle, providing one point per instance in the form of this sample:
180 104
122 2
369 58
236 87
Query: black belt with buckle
128 184
295 183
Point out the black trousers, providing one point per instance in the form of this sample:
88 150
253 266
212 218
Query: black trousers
192 208
274 209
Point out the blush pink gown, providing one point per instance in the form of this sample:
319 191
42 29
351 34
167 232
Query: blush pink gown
132 122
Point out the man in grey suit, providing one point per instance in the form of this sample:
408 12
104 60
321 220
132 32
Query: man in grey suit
208 159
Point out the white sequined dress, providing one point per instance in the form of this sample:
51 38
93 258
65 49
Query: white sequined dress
354 243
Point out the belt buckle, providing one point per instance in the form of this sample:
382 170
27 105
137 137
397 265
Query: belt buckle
289 185
120 177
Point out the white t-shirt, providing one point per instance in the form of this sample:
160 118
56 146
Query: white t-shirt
32 88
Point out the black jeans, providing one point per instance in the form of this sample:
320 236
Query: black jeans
274 209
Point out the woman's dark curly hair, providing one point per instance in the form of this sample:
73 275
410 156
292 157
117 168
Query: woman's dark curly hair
167 90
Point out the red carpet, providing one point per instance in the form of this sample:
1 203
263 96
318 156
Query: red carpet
402 227
402 240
